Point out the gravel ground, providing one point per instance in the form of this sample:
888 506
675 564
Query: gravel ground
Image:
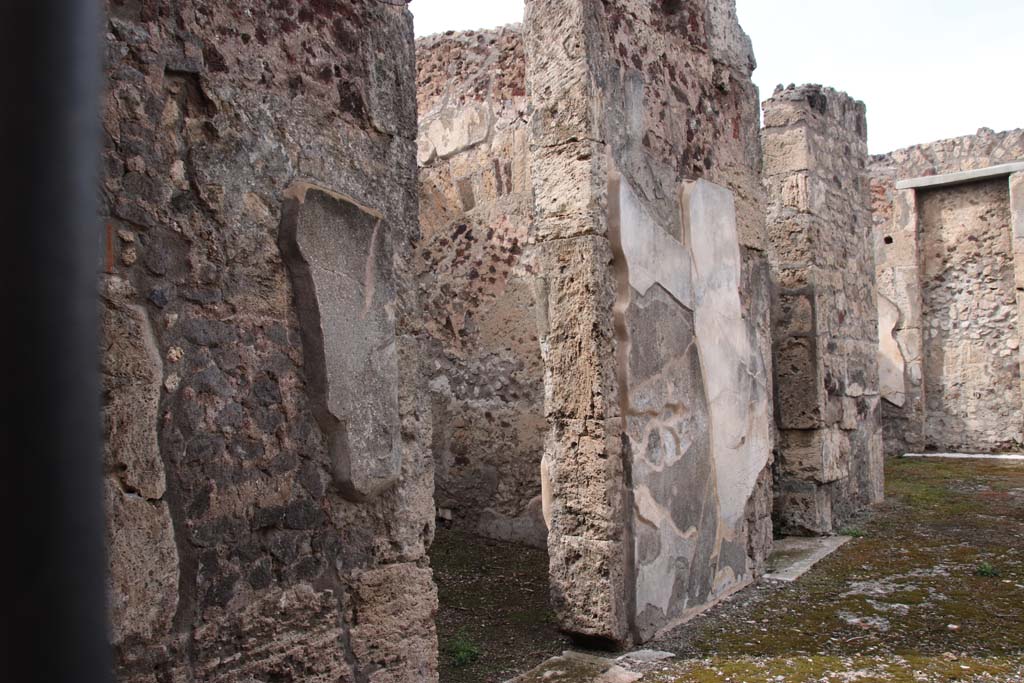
930 589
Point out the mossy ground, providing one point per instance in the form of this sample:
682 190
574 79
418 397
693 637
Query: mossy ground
494 620
932 590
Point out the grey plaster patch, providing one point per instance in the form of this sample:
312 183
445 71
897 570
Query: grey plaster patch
794 556
339 256
961 176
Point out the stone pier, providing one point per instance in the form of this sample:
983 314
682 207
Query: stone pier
824 313
653 300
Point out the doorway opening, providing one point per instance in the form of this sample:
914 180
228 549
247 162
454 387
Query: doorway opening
482 356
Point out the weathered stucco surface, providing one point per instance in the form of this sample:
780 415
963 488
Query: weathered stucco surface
902 254
825 316
696 406
659 499
476 208
243 545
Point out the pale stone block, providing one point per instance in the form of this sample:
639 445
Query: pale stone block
339 255
393 629
787 150
143 582
575 293
453 130
891 365
583 467
571 199
588 586
1017 204
801 391
132 379
564 97
835 456
904 226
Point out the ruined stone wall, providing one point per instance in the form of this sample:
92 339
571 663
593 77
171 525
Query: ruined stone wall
654 305
267 468
824 314
969 318
922 310
476 211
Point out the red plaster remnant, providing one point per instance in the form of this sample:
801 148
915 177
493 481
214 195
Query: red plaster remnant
109 259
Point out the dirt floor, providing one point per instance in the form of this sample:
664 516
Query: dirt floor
494 620
931 588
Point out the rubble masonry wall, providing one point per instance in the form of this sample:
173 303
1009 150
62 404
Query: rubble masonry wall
476 212
268 478
949 281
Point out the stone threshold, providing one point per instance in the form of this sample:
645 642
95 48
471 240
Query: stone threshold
579 667
968 456
792 557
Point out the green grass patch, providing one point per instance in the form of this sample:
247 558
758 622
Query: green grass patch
986 569
461 649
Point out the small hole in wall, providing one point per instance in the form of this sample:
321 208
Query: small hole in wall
887 239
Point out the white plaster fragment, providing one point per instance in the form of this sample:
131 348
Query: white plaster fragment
653 255
733 372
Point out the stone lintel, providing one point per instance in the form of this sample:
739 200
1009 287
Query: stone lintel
960 177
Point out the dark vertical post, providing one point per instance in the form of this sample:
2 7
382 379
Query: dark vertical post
53 600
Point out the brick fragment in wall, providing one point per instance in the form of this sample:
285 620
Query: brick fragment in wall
825 319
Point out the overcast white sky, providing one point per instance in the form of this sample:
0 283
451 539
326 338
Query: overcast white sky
927 69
